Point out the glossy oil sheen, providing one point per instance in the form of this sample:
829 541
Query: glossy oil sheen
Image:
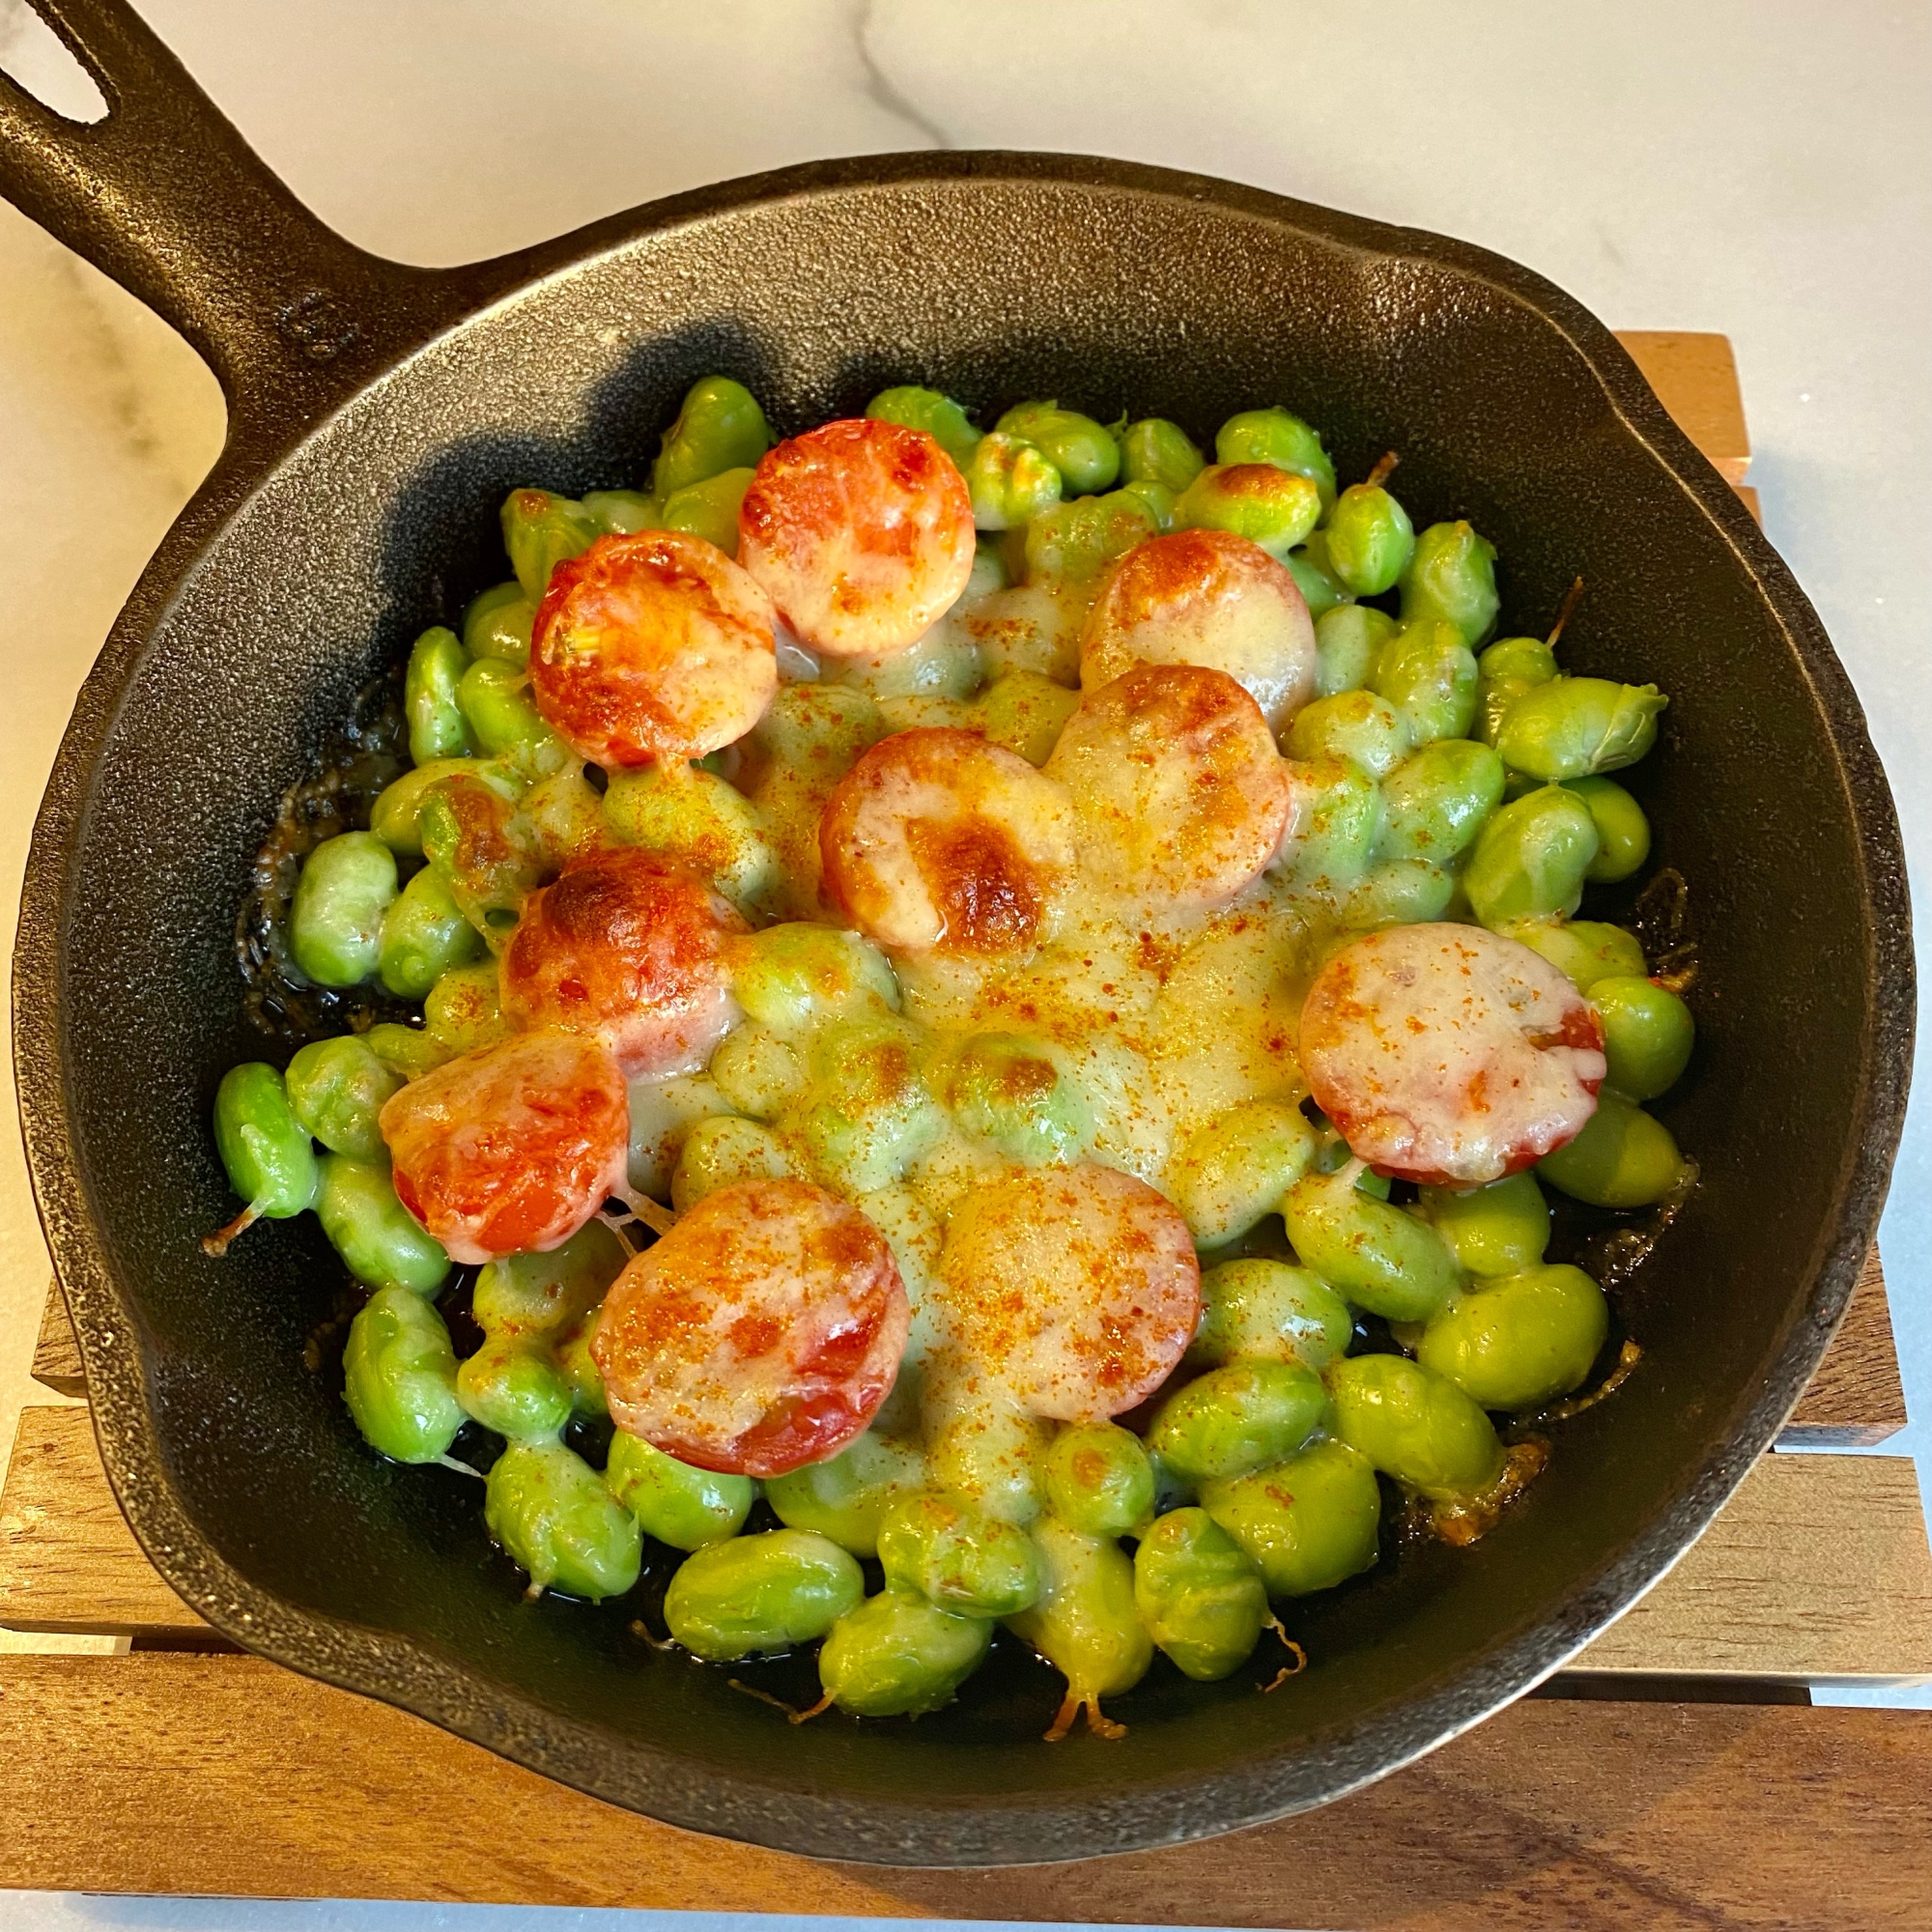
315 555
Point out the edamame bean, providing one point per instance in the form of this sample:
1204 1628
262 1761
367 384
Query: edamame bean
1509 668
475 835
797 975
899 1656
540 530
515 1388
1084 1622
463 1009
1346 639
684 1507
944 663
564 814
436 725
1648 1034
1576 727
846 1499
578 1367
1244 1415
1274 436
1307 1523
1275 508
697 821
406 1050
497 624
1413 1425
335 920
1322 591
1380 1257
757 1071
1370 540
1397 892
1098 1480
425 935
1520 1340
1012 1090
938 417
1025 712
720 427
1160 503
624 512
1353 724
265 1149
1623 831
963 1558
1155 450
1498 1229
821 730
755 1595
722 1150
534 1295
1011 482
1623 1158
1234 1172
552 1516
336 1090
379 1240
868 1113
395 818
1429 674
398 1377
1452 578
1081 449
1439 799
1073 543
1201 1598
496 701
1267 1310
709 509
1340 822
1586 948
989 1456
1531 859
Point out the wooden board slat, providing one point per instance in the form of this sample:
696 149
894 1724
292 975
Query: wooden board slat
1695 376
1818 1571
227 1776
1856 1400
57 1363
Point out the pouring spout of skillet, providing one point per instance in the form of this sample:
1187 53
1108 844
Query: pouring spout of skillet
380 414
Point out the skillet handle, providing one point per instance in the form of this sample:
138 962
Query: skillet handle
166 196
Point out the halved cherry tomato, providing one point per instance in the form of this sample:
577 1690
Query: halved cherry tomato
760 1334
1448 1054
862 534
512 1150
652 646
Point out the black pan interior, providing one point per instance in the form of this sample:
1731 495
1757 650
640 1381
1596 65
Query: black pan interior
244 1473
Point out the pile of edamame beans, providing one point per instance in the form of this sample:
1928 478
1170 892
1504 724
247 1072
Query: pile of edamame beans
1357 1343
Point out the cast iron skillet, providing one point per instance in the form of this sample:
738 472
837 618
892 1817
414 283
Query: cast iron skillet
378 414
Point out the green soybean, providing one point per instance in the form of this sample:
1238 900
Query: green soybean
381 1242
1439 799
1098 1480
1623 1158
436 725
624 512
1155 450
516 1389
1586 948
697 821
425 935
1576 727
1307 1523
1520 1340
406 1050
686 1507
475 835
899 1656
552 1516
1081 449
720 427
1648 1034
536 1295
265 1149
1413 1425
1011 1090
1275 437
1160 501
1359 726
541 530
502 718
1623 831
722 1150
757 1071
991 1456
335 918
396 817
1024 712
960 1556
1370 539
1340 820
938 415
847 1497
1086 1623
497 624
1346 641
1509 668
756 1595
1268 1309
1397 892
1201 1601
398 1377
1380 1257
869 1112
1241 1416
709 509
464 1011
1322 591
1072 544
1531 859
336 1090
1451 577
797 975
1274 508
1429 674
1010 481
1499 1229
1232 1173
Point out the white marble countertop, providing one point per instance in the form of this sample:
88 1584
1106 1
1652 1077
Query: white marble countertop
1762 171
